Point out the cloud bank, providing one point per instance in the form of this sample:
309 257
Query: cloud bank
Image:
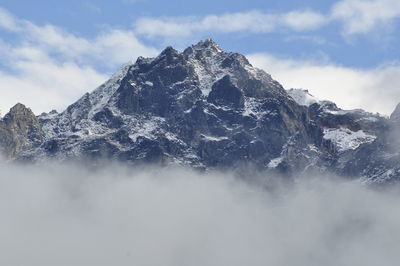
63 215
375 90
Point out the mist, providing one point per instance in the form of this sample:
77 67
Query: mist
69 215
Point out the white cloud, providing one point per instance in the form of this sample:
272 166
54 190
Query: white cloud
7 20
304 20
116 216
252 21
46 58
363 16
375 90
111 47
46 85
47 67
356 17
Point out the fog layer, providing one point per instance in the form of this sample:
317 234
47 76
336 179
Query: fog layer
66 215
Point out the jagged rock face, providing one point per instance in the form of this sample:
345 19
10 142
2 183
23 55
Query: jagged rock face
354 140
207 108
379 161
201 107
19 130
225 93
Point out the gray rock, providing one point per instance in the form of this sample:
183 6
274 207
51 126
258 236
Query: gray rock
207 109
19 130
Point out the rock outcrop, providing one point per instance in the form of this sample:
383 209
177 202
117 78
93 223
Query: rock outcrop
19 130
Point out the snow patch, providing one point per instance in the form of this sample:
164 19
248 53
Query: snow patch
275 162
253 107
146 129
213 138
302 97
344 139
102 95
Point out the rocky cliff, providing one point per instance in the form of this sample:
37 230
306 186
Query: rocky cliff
19 130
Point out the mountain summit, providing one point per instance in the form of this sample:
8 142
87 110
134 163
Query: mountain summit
208 109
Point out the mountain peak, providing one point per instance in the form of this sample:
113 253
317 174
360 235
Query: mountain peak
205 45
169 50
395 116
20 129
20 109
18 106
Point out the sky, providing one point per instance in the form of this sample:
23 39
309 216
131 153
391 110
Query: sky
52 52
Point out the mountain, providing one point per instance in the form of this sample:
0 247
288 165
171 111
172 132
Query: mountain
207 109
19 130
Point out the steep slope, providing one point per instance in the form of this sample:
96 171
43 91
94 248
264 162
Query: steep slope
19 130
362 144
379 161
346 129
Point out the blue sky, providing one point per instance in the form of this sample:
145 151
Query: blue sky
344 50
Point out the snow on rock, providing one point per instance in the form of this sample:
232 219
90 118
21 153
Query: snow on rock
146 128
208 71
275 162
253 107
302 97
213 138
100 96
207 60
344 139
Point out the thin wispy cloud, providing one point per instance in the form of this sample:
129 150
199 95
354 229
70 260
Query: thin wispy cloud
361 17
92 7
7 20
303 20
356 17
252 21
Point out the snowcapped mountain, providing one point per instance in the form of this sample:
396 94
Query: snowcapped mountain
205 108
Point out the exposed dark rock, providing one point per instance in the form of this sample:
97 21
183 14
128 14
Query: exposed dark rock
225 93
208 109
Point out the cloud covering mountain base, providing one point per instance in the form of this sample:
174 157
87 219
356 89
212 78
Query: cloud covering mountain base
68 215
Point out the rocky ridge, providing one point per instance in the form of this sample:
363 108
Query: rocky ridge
207 108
